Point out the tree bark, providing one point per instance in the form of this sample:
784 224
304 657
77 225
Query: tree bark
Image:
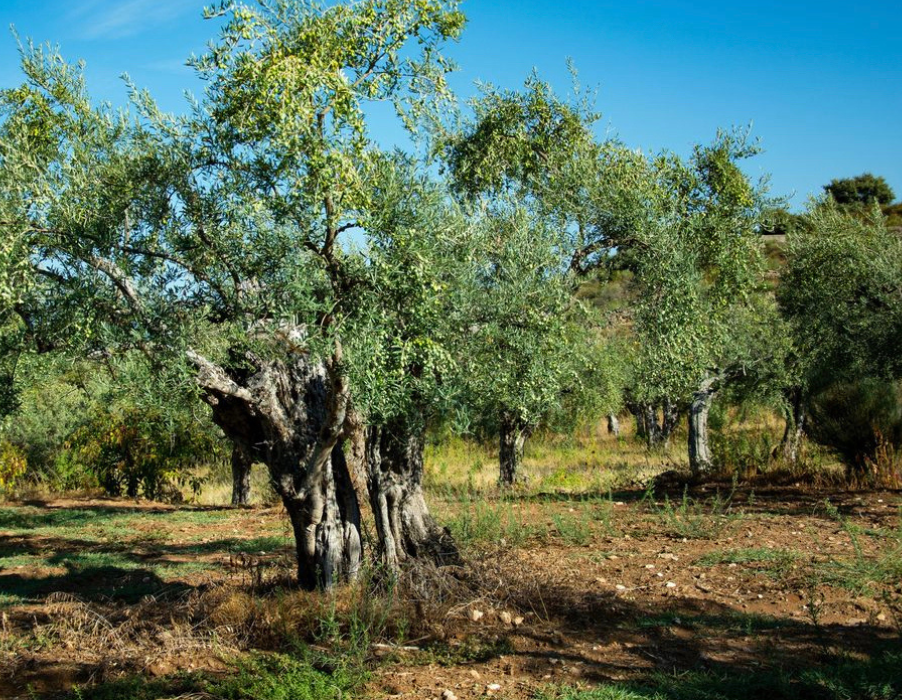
795 426
638 412
613 425
406 529
512 438
241 475
670 419
355 453
290 417
700 461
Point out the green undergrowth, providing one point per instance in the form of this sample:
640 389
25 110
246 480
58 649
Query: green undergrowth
863 573
776 563
120 553
476 522
257 677
691 518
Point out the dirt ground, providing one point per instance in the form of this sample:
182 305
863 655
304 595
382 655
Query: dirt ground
598 590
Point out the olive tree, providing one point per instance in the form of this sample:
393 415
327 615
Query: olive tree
402 369
216 237
702 317
536 351
528 355
839 292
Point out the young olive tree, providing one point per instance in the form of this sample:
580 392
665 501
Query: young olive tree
702 317
215 237
528 355
536 351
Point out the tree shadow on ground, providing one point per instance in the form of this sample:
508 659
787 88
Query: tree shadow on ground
687 647
93 583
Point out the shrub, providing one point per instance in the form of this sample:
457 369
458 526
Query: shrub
12 464
862 422
134 451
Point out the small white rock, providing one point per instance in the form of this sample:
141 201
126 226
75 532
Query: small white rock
476 615
670 584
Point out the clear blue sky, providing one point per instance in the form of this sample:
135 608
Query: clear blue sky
821 82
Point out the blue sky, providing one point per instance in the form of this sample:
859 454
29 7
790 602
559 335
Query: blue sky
820 82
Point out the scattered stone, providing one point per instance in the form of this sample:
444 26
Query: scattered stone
474 673
649 566
506 617
476 615
449 695
492 687
518 620
620 587
670 584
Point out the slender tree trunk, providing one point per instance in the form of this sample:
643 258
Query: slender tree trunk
131 478
700 461
654 436
613 425
406 529
512 438
241 475
670 419
795 426
638 412
290 417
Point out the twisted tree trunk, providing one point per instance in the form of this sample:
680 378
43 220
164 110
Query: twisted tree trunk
512 438
290 416
700 461
241 475
406 529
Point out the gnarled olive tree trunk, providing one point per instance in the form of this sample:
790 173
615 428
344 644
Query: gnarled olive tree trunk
241 475
700 461
290 416
512 437
406 529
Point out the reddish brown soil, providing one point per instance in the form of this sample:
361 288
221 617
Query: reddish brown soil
635 597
